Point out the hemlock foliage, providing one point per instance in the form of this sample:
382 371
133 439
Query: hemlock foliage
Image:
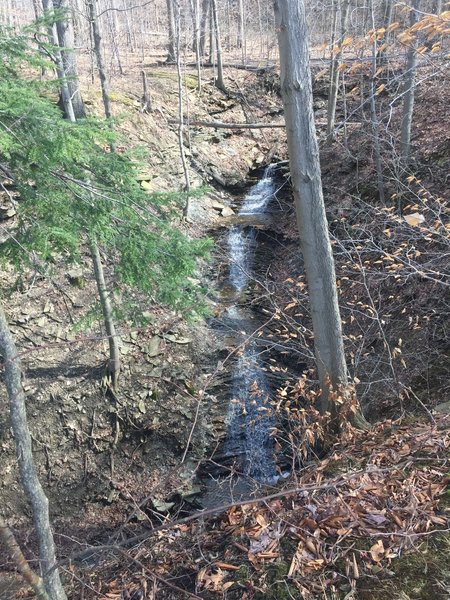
73 189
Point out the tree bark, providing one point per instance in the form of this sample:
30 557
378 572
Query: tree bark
296 91
28 475
105 302
409 89
69 62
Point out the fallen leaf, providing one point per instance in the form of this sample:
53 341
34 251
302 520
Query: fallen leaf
414 219
377 551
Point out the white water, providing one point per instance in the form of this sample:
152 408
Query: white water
249 419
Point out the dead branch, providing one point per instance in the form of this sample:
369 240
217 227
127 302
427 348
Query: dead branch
10 542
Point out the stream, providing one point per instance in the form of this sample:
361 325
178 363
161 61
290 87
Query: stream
248 448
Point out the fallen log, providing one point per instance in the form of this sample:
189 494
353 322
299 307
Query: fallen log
221 125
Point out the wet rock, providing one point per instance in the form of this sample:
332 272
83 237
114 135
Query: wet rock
227 212
216 204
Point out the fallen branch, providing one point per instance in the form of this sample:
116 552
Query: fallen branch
10 542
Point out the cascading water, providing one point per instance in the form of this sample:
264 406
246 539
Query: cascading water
249 419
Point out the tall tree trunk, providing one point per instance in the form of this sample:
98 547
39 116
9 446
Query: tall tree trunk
341 10
105 302
203 21
171 32
65 92
296 91
211 58
69 62
219 82
241 32
28 475
97 39
115 35
409 89
187 183
373 113
196 17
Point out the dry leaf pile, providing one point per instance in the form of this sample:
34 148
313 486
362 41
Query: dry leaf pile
377 496
384 498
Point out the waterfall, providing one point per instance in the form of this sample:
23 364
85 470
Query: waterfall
249 419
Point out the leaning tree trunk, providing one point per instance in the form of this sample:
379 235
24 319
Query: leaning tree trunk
409 89
219 82
296 91
28 474
69 61
108 319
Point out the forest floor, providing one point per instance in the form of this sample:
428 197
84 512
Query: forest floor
365 520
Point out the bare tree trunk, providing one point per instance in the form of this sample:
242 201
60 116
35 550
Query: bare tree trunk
187 183
105 302
69 61
373 114
203 21
219 82
11 545
171 31
296 90
197 44
342 9
28 475
241 33
65 93
115 33
92 5
437 9
211 35
409 89
131 42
